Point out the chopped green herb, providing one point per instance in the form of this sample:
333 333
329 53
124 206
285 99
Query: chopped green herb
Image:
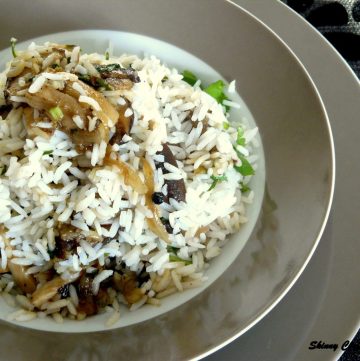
3 170
240 131
84 77
107 68
226 125
13 42
56 113
244 188
245 168
107 55
189 77
170 249
240 136
47 152
216 90
174 258
164 79
216 180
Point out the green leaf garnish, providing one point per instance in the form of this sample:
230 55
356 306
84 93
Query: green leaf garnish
13 42
56 113
189 77
245 168
240 140
226 125
216 90
216 180
107 55
244 188
171 249
174 258
47 152
3 170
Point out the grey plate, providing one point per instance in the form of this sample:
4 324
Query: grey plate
300 168
324 303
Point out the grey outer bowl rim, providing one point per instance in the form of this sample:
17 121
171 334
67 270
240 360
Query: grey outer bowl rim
262 313
266 309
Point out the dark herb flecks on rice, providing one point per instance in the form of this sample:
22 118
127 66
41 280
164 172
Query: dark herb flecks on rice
120 179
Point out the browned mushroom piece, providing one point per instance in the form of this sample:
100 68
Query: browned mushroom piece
116 77
115 71
124 124
175 188
24 281
87 305
88 302
102 298
69 238
127 285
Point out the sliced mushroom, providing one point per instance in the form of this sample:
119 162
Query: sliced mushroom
127 285
87 305
115 71
175 188
124 124
87 300
102 299
47 291
67 241
24 281
70 237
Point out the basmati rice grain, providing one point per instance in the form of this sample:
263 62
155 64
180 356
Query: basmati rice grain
115 317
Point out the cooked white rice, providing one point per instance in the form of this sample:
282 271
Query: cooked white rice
47 181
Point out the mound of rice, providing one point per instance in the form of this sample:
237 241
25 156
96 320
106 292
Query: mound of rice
89 224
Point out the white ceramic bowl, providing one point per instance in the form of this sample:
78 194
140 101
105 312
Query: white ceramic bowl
98 41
